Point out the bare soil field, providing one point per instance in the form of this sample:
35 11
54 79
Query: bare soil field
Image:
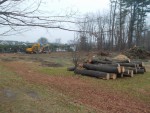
40 83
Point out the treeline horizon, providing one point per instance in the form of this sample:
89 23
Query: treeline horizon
123 27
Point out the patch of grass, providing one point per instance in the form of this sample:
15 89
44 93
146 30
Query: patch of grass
19 96
61 71
137 87
47 100
56 58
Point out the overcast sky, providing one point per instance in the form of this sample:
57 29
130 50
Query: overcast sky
60 7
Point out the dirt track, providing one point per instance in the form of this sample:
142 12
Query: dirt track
82 91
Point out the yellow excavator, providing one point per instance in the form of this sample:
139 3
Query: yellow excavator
36 48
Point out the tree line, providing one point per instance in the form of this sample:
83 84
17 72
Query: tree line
122 27
21 48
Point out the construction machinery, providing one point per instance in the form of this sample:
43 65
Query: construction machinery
36 48
43 49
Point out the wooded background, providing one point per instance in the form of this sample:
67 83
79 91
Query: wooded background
123 27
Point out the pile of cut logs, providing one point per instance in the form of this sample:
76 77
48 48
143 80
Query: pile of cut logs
106 69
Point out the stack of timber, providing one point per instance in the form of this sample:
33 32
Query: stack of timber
111 69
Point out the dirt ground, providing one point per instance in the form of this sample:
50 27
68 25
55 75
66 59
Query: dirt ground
82 91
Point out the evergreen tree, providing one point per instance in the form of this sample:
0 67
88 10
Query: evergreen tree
138 10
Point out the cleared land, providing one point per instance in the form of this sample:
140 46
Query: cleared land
39 83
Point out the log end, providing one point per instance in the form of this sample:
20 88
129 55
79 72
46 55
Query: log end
131 73
135 71
126 71
142 64
107 77
113 76
137 65
129 60
119 69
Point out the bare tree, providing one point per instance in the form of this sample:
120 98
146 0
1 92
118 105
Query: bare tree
113 21
120 28
42 40
75 53
18 14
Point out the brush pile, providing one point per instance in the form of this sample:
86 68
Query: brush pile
137 52
109 69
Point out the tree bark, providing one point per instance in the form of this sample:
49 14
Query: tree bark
141 64
92 73
131 68
129 74
71 68
129 65
99 62
108 69
140 71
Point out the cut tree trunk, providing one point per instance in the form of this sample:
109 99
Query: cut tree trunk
134 69
92 73
140 71
99 62
108 69
113 65
71 68
130 74
118 61
129 65
126 71
143 68
141 64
